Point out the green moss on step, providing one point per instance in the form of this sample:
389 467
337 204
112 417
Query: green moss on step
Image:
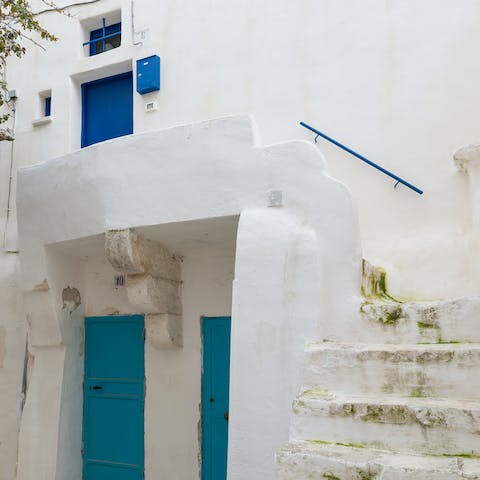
463 455
330 476
338 444
391 317
443 342
297 405
423 325
361 475
385 314
317 392
367 475
348 410
388 388
418 392
342 410
374 282
455 455
396 414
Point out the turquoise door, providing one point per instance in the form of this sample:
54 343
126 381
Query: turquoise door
215 386
113 398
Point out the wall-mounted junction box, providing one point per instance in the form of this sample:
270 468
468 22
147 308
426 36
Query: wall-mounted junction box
148 74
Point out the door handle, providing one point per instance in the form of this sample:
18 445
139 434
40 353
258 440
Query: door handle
95 387
225 416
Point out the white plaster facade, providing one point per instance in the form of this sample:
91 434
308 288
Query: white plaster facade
383 77
280 258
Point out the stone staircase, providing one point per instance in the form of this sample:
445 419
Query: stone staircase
402 402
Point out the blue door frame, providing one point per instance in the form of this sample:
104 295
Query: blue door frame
215 396
107 108
113 425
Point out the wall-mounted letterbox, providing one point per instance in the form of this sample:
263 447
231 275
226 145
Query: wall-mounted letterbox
148 74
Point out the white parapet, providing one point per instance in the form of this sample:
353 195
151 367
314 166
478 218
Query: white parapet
297 277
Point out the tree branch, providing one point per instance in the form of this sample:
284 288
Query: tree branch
19 32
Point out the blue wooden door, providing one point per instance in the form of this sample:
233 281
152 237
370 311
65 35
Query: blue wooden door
215 388
113 398
107 108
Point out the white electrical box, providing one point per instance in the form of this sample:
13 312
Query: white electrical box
151 106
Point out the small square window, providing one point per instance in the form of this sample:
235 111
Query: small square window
44 108
105 38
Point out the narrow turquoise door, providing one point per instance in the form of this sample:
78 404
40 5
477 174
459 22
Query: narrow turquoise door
215 386
113 398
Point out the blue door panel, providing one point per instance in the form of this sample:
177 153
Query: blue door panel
114 362
108 472
114 398
215 396
107 108
219 446
116 421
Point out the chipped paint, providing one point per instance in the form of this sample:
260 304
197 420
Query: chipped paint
42 287
71 298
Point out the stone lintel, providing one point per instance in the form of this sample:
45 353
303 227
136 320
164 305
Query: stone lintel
164 330
153 283
154 295
130 253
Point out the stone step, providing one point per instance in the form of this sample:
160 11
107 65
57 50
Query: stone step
410 425
419 322
323 461
434 370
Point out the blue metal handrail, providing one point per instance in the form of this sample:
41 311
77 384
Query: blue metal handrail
361 157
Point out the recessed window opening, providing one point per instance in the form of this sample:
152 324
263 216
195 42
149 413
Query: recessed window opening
104 39
45 98
48 106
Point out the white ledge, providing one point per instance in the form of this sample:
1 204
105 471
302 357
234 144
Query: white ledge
41 121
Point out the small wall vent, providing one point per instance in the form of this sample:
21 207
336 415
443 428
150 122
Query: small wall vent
151 106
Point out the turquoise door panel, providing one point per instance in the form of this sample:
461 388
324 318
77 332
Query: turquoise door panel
113 398
109 472
215 390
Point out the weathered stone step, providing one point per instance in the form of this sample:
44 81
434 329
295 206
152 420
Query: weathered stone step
323 461
434 370
420 322
418 425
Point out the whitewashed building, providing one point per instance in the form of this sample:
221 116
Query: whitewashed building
189 290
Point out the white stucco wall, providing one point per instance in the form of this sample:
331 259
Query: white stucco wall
13 336
383 77
393 80
278 269
297 265
173 376
12 355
